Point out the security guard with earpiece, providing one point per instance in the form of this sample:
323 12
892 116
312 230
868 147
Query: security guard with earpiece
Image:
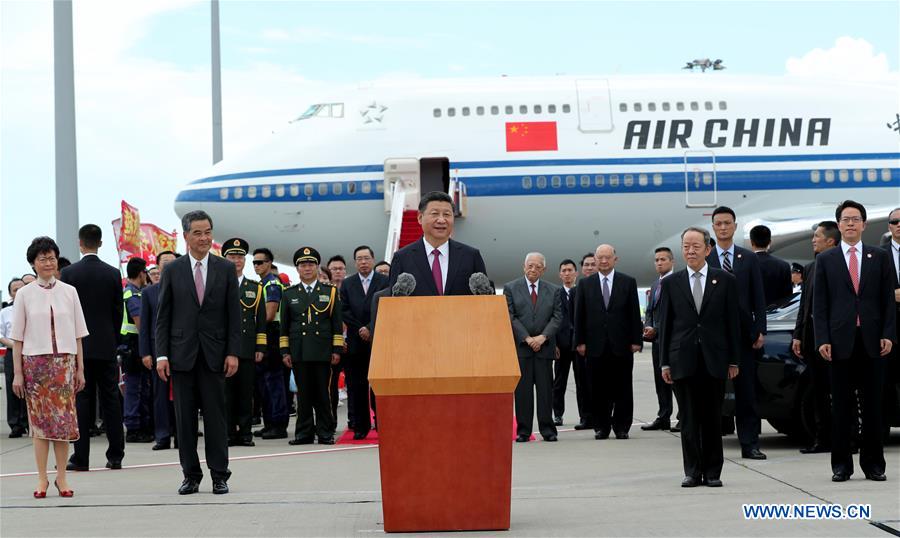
239 387
311 341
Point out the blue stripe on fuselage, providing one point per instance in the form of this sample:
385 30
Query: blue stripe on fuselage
563 162
515 185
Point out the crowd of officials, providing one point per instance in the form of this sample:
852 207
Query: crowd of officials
192 336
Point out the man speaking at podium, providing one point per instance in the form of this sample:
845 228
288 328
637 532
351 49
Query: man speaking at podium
440 265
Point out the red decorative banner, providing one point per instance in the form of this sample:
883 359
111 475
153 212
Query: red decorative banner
129 238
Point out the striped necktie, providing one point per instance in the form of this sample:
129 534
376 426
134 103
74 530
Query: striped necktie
726 262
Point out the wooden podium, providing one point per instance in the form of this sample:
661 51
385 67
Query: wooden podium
444 370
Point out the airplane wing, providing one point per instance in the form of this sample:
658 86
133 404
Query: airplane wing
792 224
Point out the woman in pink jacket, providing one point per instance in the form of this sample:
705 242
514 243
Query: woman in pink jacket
47 329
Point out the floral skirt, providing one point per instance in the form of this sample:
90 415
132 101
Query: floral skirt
50 396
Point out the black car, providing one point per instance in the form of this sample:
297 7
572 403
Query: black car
783 391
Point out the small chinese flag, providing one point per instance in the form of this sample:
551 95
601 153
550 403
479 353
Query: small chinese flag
531 136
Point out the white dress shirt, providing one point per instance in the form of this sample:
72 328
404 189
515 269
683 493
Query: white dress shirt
537 285
720 252
703 271
859 257
366 281
895 252
610 276
444 260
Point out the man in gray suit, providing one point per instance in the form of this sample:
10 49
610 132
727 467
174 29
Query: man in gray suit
535 311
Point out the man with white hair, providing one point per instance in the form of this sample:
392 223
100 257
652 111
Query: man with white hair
535 311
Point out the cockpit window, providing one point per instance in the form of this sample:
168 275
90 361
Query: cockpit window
323 110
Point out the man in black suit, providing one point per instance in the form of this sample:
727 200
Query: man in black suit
565 354
699 343
163 410
803 343
535 312
99 288
608 333
893 367
744 265
854 315
198 330
664 261
440 265
356 304
776 273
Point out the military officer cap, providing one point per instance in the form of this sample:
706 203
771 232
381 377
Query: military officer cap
307 254
235 246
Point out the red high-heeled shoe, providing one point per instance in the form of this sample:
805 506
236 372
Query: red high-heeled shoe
41 494
62 492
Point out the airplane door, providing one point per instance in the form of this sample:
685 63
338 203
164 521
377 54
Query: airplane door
594 108
407 172
700 179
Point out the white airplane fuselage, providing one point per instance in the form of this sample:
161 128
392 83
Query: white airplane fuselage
636 160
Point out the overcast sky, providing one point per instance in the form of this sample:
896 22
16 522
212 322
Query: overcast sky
142 75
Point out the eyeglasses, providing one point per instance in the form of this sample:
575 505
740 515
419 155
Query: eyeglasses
847 220
894 222
259 262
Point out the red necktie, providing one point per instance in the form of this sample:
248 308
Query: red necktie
436 272
854 275
533 296
198 282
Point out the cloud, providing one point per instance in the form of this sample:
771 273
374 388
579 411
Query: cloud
848 58
307 35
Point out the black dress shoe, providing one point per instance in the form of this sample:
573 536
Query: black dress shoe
840 477
656 425
73 467
621 435
551 438
260 432
220 486
676 428
246 441
326 440
558 421
582 426
815 448
752 454
522 438
359 436
114 465
189 486
602 434
275 433
713 483
162 445
17 432
689 482
302 441
877 477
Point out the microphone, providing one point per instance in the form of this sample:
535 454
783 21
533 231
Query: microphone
479 284
405 285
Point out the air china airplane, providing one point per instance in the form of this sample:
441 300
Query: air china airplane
562 164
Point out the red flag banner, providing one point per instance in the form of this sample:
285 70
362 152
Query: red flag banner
130 236
154 239
531 136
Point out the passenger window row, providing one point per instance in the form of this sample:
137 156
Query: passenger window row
495 110
844 176
666 106
309 189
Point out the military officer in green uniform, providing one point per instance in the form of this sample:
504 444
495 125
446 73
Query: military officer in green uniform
311 341
239 387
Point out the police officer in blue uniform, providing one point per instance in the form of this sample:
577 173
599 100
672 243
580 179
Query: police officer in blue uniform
136 414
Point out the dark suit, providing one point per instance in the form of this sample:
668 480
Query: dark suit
542 317
752 306
855 347
608 334
196 337
776 277
163 410
99 287
568 357
663 389
819 368
698 347
892 373
463 262
356 306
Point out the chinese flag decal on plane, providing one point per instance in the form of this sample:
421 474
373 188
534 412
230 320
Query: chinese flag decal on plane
531 136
